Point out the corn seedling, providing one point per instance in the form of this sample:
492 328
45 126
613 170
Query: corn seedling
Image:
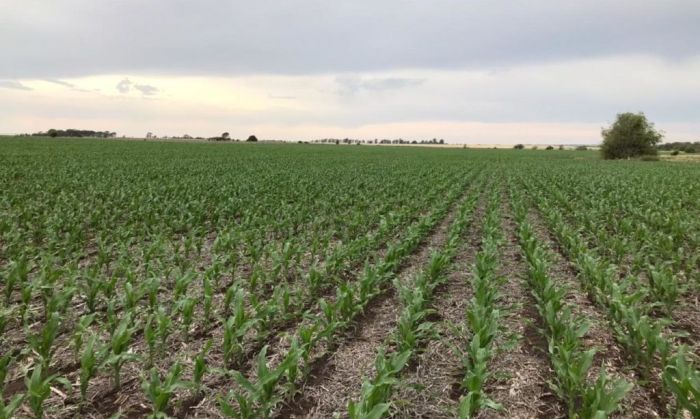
119 349
200 367
160 391
39 387
258 397
81 329
90 361
377 391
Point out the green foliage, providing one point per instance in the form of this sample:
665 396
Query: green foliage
159 391
372 403
7 410
90 360
303 240
38 387
119 348
258 397
631 135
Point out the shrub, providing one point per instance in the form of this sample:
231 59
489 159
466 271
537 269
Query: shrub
674 152
549 147
518 146
252 139
581 148
648 157
631 135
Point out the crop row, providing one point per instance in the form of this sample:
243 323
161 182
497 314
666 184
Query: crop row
641 334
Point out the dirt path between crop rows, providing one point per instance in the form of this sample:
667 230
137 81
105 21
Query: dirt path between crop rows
431 388
520 366
340 377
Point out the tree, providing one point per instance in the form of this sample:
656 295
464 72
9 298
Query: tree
549 147
225 136
518 146
631 135
53 133
252 139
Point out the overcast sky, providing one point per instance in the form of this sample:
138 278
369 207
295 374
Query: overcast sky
467 71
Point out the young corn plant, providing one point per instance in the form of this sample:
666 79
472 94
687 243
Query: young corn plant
160 391
475 362
258 398
207 301
59 301
200 367
376 392
187 306
81 328
182 283
26 296
119 349
412 327
683 381
150 335
5 316
7 410
42 343
132 295
603 398
90 361
17 277
664 287
5 361
235 329
163 328
91 287
38 387
152 287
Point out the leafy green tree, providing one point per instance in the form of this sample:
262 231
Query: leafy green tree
631 135
252 138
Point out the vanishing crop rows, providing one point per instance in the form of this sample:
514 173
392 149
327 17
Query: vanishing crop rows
209 280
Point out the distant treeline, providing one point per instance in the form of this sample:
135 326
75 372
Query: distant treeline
687 146
377 141
75 133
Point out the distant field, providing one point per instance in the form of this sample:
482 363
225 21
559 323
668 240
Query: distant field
273 280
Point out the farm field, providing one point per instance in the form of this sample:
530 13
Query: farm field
269 280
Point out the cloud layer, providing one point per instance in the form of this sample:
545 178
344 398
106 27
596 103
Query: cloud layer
305 67
83 37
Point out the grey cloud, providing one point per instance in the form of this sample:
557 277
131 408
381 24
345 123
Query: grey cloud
124 86
349 85
81 37
71 86
13 84
146 89
61 83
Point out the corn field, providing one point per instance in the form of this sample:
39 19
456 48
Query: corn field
146 279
